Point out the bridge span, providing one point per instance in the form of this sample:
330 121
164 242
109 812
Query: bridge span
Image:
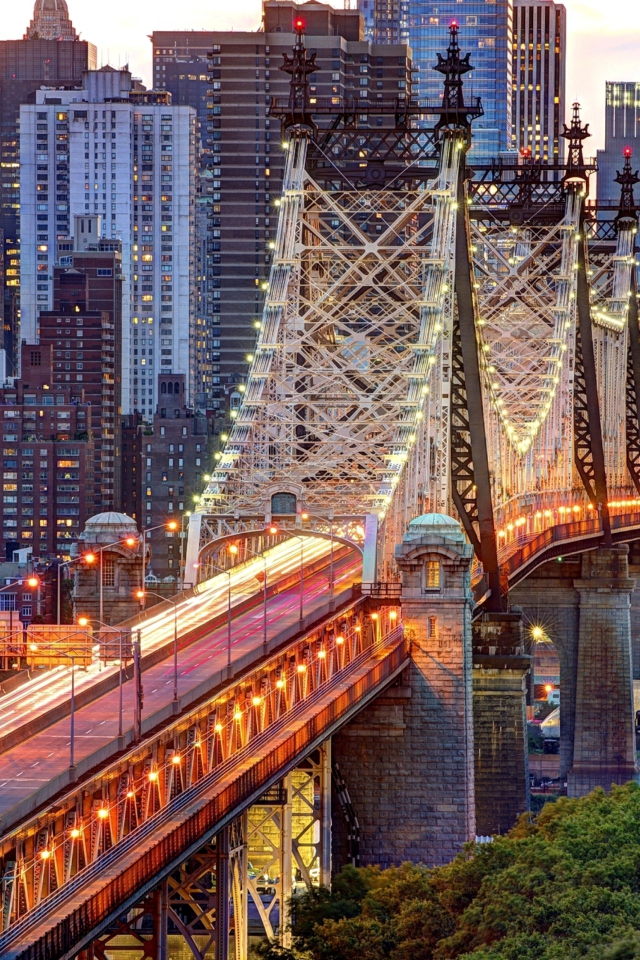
437 341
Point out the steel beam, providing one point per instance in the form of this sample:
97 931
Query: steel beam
473 387
593 475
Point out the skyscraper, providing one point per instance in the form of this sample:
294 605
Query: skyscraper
539 63
51 22
39 60
244 160
621 130
127 155
485 33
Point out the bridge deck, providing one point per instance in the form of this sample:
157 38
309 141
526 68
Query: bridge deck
74 915
38 768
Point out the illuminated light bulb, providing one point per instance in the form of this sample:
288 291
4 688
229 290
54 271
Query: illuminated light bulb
218 728
237 715
374 616
322 654
537 633
279 684
175 759
129 794
103 813
153 775
357 628
45 854
302 668
393 615
256 701
75 833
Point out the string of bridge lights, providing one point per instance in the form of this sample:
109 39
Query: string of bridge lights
565 297
229 727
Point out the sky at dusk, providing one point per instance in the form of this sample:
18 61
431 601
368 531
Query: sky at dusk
604 37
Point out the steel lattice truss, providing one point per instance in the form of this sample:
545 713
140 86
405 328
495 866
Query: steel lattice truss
526 294
360 295
610 283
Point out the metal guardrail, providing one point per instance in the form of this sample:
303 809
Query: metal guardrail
192 832
382 589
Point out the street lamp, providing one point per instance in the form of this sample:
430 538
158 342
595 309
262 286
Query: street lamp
167 525
90 558
185 516
232 550
274 529
141 595
32 582
84 622
33 647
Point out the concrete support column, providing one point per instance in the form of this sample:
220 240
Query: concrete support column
499 722
604 738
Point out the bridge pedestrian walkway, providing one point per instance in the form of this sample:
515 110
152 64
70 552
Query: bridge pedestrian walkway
34 771
167 805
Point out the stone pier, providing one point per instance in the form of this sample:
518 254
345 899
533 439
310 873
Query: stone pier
407 759
604 738
500 666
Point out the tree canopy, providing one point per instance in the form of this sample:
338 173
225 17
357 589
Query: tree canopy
560 886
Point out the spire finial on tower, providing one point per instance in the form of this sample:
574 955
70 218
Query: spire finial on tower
576 134
627 179
299 66
454 112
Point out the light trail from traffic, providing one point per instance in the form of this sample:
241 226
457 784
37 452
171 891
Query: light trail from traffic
25 769
209 601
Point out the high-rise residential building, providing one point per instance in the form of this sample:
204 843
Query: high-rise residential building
47 459
486 28
175 460
539 65
126 155
244 159
180 66
49 55
621 131
84 332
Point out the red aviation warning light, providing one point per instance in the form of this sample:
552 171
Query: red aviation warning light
626 153
299 25
454 23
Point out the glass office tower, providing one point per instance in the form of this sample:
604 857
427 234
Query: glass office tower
622 130
485 32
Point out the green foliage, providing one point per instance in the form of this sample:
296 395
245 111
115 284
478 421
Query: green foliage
561 886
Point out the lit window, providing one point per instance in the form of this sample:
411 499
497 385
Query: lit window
432 575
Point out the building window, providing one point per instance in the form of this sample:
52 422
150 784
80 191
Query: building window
108 572
7 601
432 575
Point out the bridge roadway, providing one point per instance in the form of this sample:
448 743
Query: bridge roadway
207 601
280 711
36 769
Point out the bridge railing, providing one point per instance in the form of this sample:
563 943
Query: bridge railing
565 533
59 850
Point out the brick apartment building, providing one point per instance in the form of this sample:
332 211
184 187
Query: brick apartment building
174 461
47 459
84 331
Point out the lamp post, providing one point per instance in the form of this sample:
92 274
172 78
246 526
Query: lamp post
84 622
151 593
167 525
232 550
273 530
72 741
185 516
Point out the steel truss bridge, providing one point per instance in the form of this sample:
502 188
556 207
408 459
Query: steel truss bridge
435 338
